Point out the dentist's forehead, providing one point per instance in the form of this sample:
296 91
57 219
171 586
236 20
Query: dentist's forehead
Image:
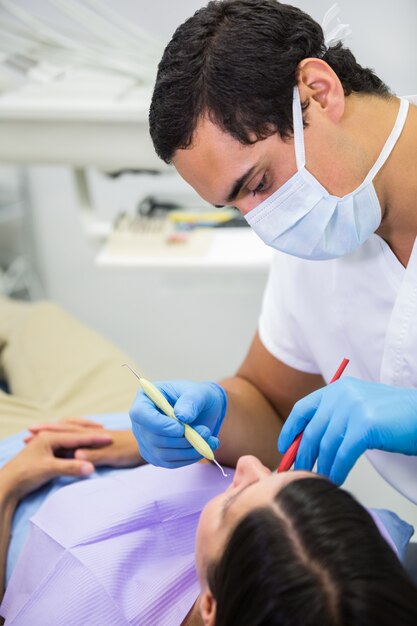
214 162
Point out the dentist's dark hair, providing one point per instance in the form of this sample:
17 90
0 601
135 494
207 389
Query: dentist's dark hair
236 61
313 558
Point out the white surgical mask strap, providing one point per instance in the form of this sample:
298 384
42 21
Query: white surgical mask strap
299 148
391 141
298 124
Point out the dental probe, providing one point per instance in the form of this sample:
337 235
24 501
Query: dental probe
190 433
289 457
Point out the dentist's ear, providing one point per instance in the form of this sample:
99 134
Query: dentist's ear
318 82
208 608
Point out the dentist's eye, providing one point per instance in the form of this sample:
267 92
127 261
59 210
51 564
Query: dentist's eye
260 188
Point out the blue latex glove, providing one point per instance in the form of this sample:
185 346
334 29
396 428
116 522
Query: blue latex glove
346 418
160 438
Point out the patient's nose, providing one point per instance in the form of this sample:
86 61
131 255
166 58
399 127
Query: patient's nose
249 469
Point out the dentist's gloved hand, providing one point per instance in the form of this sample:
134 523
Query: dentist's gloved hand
160 438
346 418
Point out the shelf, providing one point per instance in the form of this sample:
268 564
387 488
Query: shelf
83 119
226 249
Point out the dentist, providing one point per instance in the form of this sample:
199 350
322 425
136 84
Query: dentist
255 110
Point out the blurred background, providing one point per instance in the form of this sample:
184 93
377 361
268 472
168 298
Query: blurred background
84 200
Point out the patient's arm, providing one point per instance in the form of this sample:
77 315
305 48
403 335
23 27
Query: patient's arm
8 503
34 466
122 451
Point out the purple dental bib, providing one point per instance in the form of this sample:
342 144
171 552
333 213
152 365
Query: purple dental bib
117 550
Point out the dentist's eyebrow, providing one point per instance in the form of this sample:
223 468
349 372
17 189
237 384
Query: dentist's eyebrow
239 184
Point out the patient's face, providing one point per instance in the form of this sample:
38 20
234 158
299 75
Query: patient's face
254 485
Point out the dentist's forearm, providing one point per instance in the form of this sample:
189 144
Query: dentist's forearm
251 425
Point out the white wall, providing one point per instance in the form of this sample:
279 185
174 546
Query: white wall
190 323
383 30
383 35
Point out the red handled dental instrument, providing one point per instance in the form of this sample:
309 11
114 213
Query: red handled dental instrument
289 457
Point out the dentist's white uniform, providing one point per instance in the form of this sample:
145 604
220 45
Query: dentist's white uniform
363 307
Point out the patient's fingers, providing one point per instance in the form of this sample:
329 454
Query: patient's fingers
30 438
72 467
66 424
106 455
80 421
56 427
76 440
94 455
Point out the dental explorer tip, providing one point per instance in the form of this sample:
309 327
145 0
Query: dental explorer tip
132 370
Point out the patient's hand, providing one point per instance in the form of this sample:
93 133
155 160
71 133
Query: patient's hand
121 451
42 460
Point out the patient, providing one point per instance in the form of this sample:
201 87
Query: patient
118 547
270 549
296 550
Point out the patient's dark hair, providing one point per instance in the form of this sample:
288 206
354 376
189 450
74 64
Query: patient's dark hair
313 558
237 60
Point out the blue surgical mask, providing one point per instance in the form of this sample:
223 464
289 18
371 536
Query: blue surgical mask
302 219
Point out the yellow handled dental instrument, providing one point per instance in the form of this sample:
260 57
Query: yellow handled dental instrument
190 433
